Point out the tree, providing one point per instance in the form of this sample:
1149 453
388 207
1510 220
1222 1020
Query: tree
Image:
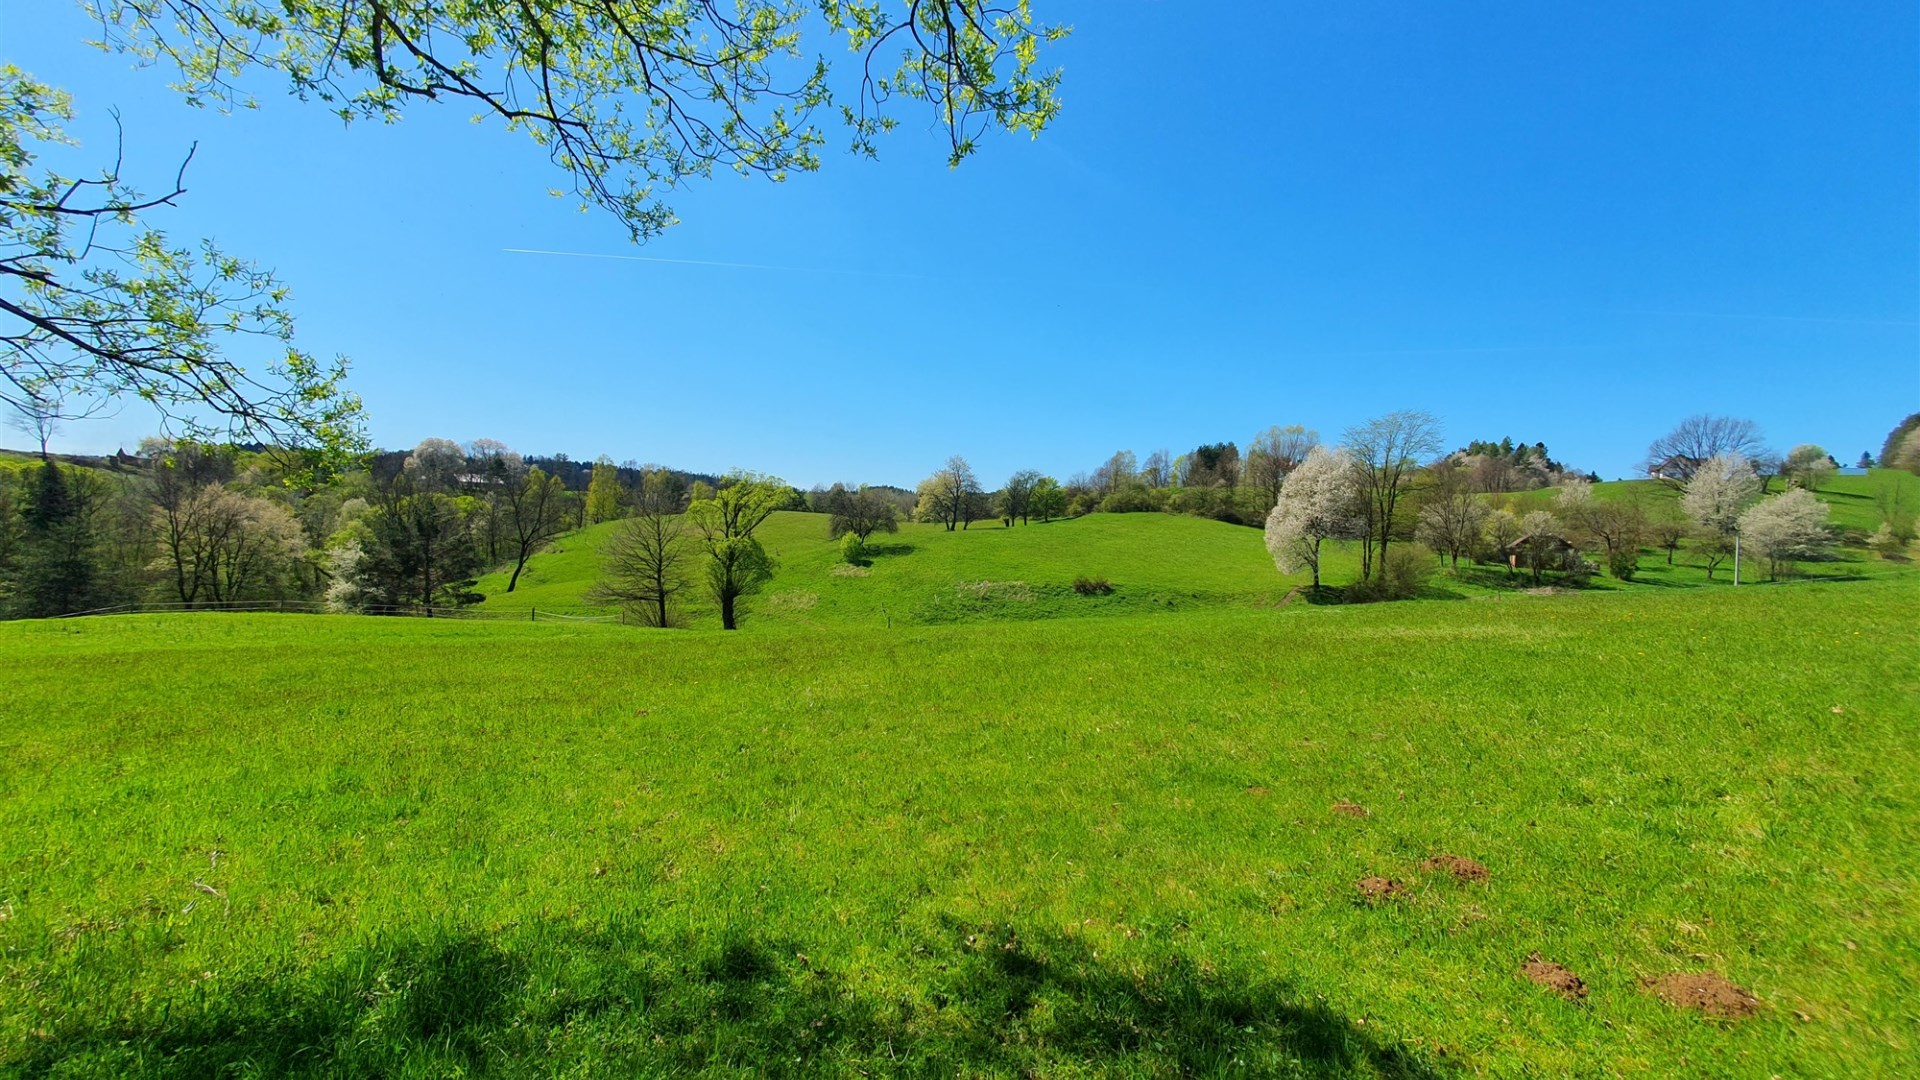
1539 542
1320 502
436 465
498 468
624 97
1048 499
1451 516
54 572
1502 529
603 492
1809 466
737 565
1016 499
951 496
1784 528
1716 494
1275 453
100 308
1865 462
1388 452
1618 525
536 513
641 565
1896 444
1668 527
861 512
1157 470
1212 465
1906 453
417 550
1675 456
220 545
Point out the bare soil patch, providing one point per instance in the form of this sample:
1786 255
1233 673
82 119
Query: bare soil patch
1706 991
1350 809
1258 789
1554 977
1375 889
1461 867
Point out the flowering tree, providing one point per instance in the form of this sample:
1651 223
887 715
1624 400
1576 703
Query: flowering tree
1789 526
1319 502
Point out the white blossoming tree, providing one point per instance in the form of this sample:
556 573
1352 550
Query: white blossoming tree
1320 501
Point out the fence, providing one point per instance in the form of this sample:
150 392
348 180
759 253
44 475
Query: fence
314 607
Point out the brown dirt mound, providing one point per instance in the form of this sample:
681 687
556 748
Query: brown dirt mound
1258 789
1461 867
1351 809
1706 991
1373 889
1554 977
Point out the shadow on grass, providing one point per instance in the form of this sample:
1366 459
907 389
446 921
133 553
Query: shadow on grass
889 548
551 998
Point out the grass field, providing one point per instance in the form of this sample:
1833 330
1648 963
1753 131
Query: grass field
267 845
1157 563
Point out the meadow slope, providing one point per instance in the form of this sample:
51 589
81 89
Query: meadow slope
267 845
1156 562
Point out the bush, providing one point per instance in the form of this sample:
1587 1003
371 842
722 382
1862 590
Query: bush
1623 563
1401 575
1133 500
1887 542
853 549
1087 586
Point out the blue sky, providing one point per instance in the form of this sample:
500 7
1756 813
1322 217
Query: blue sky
1569 223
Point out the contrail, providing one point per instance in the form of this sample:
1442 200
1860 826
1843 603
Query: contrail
709 262
1776 318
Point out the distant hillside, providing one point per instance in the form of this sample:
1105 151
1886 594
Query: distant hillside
1155 562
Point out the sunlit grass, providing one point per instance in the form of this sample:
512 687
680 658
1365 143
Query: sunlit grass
257 845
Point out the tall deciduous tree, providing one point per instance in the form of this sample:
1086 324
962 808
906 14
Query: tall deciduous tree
1016 499
1675 456
1388 451
1320 502
642 566
603 492
737 565
1048 499
536 513
951 496
1275 453
1451 515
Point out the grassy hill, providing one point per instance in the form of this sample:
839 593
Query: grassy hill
304 845
1156 562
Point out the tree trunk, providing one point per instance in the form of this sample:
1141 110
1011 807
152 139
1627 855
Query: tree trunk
726 612
517 567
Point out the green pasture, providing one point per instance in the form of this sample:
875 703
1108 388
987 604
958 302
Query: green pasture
256 845
1156 563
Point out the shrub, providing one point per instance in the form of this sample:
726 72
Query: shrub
1133 500
1887 542
1623 563
1402 575
853 549
1087 586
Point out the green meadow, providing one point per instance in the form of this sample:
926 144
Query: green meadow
902 829
1157 563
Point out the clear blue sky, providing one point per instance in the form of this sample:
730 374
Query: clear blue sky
1559 222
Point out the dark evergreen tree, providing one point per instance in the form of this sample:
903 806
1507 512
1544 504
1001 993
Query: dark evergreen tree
53 570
